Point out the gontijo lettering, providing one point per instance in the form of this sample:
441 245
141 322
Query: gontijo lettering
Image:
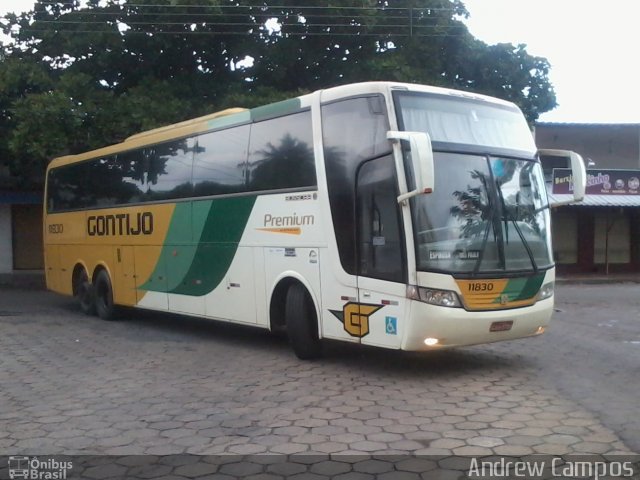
120 224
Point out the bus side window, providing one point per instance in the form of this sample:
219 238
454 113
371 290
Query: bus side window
353 130
219 166
380 244
281 153
132 166
67 189
105 186
170 168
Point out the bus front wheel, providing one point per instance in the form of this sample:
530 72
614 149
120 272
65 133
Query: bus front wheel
302 323
104 296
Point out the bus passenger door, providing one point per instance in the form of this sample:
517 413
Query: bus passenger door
380 252
124 281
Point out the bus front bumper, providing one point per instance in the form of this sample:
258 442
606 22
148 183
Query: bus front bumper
455 327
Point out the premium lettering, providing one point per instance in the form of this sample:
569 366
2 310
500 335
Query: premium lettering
288 221
120 224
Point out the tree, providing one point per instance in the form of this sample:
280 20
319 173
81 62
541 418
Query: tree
21 77
79 77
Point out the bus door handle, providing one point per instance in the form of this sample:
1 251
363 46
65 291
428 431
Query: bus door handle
366 294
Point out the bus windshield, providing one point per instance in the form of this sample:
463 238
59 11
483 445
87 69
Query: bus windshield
488 213
462 121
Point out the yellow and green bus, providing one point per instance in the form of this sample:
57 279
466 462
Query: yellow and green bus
387 214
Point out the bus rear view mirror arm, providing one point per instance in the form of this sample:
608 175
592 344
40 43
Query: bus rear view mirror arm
421 161
578 173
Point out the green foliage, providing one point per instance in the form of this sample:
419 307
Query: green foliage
77 78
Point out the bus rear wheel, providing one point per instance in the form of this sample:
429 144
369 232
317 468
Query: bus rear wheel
83 291
104 297
302 323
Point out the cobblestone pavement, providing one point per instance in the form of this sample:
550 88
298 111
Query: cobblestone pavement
335 467
160 384
595 338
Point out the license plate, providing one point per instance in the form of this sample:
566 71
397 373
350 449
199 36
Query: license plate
501 326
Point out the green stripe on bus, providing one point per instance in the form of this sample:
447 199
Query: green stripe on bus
512 289
275 109
531 287
198 268
229 120
177 255
521 288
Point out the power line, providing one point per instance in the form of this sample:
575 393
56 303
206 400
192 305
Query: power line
289 22
241 24
246 33
300 18
396 13
264 7
225 15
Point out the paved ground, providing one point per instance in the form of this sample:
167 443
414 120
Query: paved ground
160 384
592 353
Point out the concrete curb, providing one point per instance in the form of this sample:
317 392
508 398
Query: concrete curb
25 280
597 280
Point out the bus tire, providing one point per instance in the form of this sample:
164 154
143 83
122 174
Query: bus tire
302 323
104 296
83 291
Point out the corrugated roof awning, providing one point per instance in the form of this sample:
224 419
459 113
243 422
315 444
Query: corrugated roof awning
596 200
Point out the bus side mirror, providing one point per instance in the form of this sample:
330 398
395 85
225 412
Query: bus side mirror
578 173
421 161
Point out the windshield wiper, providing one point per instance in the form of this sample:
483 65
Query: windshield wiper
491 222
510 218
483 246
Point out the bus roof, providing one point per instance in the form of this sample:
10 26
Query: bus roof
234 116
157 135
224 118
354 89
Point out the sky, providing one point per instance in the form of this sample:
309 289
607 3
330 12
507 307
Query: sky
592 47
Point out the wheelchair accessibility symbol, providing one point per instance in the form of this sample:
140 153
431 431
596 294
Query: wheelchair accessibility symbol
391 325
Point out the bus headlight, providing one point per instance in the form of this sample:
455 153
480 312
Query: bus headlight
546 291
442 298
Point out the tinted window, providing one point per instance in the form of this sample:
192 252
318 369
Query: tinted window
133 166
281 156
220 162
104 184
169 171
281 153
352 131
66 187
356 129
380 244
158 173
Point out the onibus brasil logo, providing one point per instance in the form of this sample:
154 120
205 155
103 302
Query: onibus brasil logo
36 469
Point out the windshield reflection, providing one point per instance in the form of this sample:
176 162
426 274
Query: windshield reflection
487 214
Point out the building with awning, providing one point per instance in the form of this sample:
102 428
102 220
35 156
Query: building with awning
601 234
20 230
